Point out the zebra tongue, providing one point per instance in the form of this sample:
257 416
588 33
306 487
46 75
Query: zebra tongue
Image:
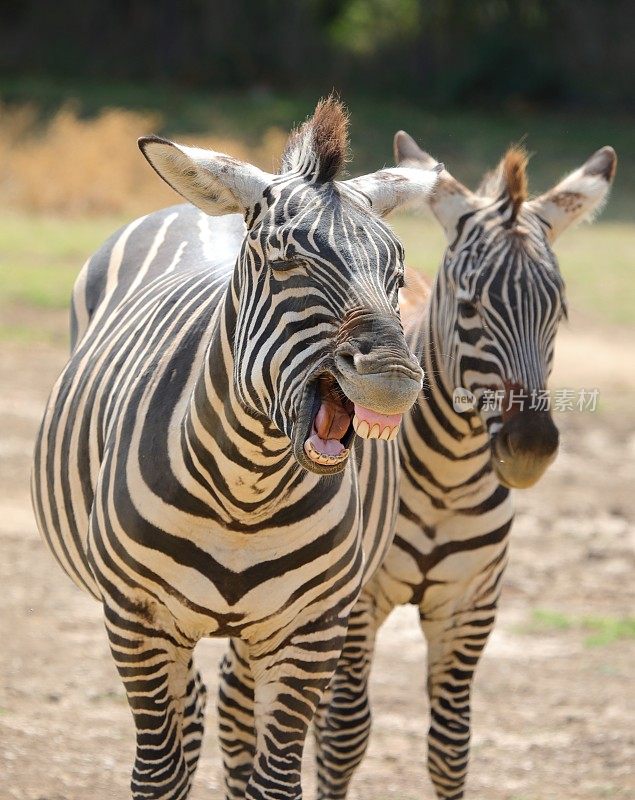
326 447
331 421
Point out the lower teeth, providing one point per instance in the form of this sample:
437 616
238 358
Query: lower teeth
322 458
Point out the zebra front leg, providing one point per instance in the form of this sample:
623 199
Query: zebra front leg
167 699
194 718
289 681
454 648
343 721
237 733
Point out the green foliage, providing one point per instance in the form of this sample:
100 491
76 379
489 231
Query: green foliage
447 51
600 631
363 26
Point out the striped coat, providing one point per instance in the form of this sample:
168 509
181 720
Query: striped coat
486 330
193 470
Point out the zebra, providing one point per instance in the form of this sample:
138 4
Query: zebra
193 469
489 325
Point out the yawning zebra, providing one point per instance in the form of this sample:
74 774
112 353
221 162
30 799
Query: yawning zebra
192 470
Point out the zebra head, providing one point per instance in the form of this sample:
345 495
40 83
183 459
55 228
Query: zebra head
317 344
499 296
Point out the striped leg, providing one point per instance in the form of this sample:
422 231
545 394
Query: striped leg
289 682
166 697
455 645
237 734
194 718
343 721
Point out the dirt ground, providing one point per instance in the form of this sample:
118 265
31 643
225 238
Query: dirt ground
553 715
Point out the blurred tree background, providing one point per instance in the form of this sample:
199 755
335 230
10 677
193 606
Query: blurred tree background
540 52
80 80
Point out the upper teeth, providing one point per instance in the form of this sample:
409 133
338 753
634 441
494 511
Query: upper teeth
363 429
322 458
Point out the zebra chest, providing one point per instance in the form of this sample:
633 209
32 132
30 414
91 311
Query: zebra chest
216 574
440 550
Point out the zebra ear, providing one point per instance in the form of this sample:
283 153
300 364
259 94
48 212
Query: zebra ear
578 196
450 200
216 183
407 152
390 189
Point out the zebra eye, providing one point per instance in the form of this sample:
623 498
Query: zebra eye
467 309
283 265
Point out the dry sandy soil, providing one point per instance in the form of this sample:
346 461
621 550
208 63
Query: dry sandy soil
553 716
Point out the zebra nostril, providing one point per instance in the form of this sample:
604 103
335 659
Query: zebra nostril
347 361
530 434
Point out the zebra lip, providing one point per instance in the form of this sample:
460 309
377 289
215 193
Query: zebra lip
329 431
325 451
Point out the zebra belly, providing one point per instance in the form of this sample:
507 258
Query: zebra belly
118 357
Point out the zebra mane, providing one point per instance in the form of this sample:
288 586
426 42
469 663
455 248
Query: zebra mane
510 177
319 147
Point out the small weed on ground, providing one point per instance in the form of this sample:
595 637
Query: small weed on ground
599 631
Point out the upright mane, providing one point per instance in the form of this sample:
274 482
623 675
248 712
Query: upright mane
510 177
319 147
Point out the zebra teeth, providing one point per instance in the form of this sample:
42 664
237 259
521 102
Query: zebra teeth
322 458
365 431
362 428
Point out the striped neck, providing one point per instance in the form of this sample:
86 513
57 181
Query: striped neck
466 429
444 453
240 465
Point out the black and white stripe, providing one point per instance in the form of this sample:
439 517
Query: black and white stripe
490 323
170 479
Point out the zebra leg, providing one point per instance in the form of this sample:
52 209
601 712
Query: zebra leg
194 718
343 721
237 734
166 697
455 645
289 682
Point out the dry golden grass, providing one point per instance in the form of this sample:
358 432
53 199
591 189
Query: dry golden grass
76 166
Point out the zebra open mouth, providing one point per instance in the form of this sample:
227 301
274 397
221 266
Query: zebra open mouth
335 419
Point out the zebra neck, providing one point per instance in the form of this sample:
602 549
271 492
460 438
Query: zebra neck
239 464
443 449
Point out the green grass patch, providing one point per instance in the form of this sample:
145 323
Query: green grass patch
551 620
599 631
41 257
606 630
